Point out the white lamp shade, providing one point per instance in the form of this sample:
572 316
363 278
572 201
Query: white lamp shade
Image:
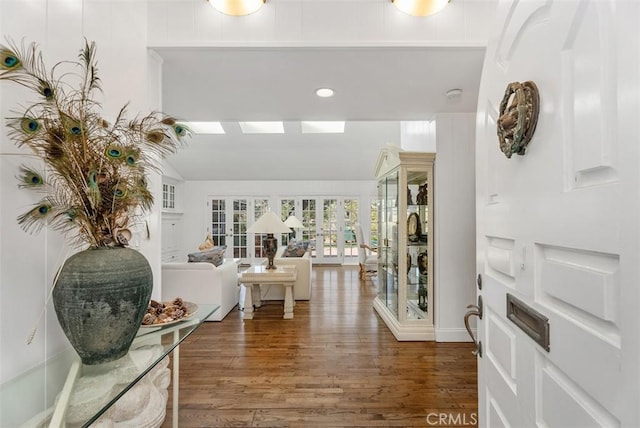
420 7
269 223
237 7
293 222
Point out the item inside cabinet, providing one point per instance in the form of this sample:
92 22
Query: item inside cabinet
423 197
414 227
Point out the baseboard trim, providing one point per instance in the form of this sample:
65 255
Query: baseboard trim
453 335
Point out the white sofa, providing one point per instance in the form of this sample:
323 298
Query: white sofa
202 283
302 286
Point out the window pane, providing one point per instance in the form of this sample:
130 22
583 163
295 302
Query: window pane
330 228
287 208
239 228
261 207
309 221
350 220
218 226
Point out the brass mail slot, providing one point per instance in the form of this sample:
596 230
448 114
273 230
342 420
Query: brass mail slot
532 322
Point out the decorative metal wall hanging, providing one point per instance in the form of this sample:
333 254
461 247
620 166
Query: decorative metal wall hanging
518 117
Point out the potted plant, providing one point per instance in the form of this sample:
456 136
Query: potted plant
92 179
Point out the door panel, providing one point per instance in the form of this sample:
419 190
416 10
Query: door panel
260 207
558 227
310 221
238 230
495 415
328 250
229 225
324 220
565 404
288 208
349 245
218 217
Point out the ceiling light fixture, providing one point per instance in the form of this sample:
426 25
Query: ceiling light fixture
325 92
237 7
420 7
453 93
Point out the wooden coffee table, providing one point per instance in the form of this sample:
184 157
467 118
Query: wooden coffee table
259 275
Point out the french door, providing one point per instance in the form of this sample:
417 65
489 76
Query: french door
228 226
229 219
328 224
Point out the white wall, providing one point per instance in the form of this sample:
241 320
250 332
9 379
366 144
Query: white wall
454 221
28 262
418 136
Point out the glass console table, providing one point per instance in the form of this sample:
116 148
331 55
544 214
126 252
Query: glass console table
155 343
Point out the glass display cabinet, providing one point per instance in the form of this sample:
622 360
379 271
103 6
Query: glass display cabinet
405 243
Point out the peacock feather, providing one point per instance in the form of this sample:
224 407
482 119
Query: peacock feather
95 169
35 218
46 90
9 60
93 190
155 137
119 192
114 152
72 126
132 157
25 130
181 130
29 125
30 178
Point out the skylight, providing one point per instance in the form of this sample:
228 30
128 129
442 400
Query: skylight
273 127
205 127
324 127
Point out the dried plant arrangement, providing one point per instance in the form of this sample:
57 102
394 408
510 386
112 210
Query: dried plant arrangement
93 175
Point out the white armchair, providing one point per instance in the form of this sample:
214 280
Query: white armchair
202 283
367 256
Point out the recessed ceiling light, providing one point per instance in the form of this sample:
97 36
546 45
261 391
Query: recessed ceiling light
324 92
324 127
206 127
273 127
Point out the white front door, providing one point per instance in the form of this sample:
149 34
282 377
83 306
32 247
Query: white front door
558 228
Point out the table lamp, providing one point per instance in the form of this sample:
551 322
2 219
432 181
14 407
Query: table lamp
269 223
293 222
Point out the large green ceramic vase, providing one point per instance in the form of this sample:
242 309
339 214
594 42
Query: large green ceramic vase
100 298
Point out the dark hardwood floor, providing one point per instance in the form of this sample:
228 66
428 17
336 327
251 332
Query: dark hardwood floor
334 365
